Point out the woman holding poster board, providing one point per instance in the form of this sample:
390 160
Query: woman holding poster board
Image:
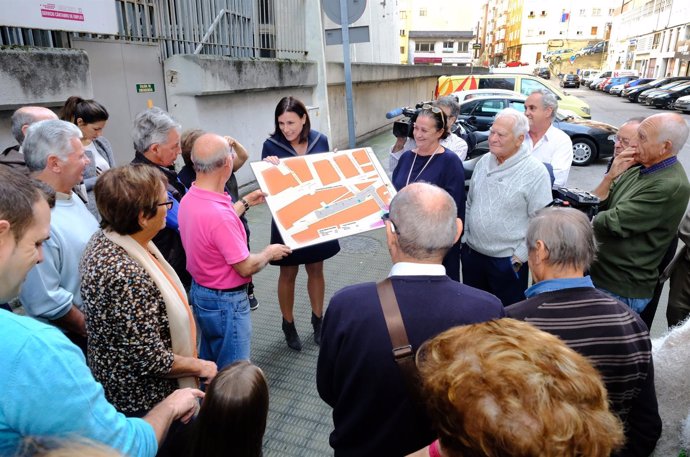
293 136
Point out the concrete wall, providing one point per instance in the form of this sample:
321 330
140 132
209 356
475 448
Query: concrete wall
39 76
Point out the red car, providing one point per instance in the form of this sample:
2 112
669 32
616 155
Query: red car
516 63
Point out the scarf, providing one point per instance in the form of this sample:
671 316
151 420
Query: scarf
180 319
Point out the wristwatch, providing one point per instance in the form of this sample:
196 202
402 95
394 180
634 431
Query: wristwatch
245 203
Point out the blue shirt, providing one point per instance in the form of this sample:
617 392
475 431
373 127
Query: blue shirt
557 284
47 390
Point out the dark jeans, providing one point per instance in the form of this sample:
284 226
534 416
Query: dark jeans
494 275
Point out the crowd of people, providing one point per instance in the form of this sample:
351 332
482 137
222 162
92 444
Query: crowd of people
118 268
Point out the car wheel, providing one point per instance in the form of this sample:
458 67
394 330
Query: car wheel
584 152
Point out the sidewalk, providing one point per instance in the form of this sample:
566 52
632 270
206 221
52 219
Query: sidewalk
299 422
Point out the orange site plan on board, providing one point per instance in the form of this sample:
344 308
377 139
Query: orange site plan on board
322 197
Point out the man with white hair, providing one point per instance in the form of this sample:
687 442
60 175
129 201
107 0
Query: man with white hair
22 118
564 302
508 187
545 141
374 413
54 153
644 197
156 137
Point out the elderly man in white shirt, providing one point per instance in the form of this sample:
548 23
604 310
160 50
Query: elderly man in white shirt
546 142
451 110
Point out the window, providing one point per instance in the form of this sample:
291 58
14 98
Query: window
530 32
402 49
583 12
497 83
594 30
579 32
596 11
657 38
531 14
489 107
447 46
542 32
403 14
424 47
422 12
527 86
463 46
402 32
612 11
543 13
520 106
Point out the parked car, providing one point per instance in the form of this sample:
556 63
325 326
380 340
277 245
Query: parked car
642 97
542 72
603 83
619 88
516 63
559 55
570 81
463 95
591 139
666 98
683 104
599 78
598 48
584 51
633 93
613 81
587 75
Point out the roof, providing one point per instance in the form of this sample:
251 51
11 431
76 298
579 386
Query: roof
467 34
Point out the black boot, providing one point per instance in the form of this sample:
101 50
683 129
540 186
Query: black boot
291 335
316 323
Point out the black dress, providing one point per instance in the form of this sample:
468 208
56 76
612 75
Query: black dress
278 146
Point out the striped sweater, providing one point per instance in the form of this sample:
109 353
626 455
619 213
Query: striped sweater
617 343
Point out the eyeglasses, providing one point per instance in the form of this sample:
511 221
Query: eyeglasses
387 217
625 142
436 110
168 204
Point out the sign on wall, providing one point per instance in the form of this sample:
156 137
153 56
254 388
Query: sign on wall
91 16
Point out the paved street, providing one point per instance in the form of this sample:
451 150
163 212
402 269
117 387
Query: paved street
299 422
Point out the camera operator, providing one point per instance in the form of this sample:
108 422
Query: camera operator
451 110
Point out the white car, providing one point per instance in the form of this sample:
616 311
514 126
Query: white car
463 95
683 104
617 89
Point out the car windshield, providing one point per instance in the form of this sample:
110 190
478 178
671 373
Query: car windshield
681 86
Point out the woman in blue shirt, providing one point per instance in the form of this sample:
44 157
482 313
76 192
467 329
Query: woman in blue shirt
432 163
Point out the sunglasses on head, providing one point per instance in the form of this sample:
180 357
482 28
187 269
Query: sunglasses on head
435 110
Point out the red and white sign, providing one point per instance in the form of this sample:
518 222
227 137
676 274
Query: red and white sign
90 16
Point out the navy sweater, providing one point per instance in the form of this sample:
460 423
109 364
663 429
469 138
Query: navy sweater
356 373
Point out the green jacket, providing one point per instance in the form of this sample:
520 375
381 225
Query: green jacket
634 227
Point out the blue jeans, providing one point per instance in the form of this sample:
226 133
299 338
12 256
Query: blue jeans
636 304
226 327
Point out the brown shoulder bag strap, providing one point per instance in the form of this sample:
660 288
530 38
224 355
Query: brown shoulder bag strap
402 350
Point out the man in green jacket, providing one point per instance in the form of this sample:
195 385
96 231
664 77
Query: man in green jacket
640 211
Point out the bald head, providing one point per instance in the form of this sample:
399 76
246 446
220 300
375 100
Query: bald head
425 219
210 153
669 127
27 115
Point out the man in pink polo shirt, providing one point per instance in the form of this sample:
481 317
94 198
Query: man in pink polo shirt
217 255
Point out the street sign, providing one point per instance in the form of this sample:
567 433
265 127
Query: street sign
357 35
355 9
476 46
144 88
572 58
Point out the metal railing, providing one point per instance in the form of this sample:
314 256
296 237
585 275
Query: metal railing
233 28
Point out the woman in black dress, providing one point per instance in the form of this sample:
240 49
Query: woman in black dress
293 136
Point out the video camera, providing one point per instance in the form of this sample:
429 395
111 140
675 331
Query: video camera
404 127
576 198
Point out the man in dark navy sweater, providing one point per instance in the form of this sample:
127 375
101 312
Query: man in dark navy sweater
373 413
564 302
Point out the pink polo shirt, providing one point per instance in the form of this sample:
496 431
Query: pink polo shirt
213 238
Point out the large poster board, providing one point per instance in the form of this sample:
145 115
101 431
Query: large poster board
321 197
94 16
